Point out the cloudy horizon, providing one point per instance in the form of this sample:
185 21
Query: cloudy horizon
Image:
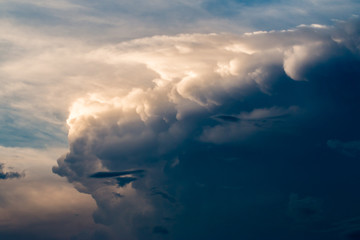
180 120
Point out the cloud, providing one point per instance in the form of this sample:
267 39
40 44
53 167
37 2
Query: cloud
115 174
164 195
349 228
355 234
200 99
307 209
216 121
245 124
122 181
63 33
160 230
350 149
9 175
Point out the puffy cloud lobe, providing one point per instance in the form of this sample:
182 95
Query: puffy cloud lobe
209 94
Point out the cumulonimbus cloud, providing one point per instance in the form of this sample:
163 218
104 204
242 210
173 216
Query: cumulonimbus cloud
200 92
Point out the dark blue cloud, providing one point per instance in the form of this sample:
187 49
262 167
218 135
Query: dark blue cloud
115 174
350 149
122 181
227 118
160 230
9 175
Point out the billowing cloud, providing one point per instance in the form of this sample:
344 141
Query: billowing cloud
198 117
197 106
44 45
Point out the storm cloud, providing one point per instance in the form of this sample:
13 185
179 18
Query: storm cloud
213 127
181 119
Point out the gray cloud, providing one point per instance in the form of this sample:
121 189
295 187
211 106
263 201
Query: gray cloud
9 175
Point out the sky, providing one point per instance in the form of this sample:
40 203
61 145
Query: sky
202 119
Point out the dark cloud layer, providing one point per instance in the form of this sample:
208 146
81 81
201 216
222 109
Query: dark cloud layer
234 137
